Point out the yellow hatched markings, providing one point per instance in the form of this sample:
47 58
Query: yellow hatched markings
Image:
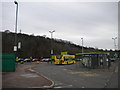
85 73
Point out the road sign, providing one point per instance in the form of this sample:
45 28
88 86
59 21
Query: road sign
15 48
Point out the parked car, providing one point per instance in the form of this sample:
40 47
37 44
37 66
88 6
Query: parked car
27 60
45 60
78 59
20 59
35 59
112 59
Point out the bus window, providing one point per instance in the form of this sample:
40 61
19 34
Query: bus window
69 58
59 56
66 58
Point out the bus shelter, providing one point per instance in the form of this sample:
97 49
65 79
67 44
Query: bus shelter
94 59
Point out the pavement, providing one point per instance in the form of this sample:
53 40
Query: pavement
24 77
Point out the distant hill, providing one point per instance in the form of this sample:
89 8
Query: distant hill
39 46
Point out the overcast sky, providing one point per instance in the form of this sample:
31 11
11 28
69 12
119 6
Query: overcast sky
95 22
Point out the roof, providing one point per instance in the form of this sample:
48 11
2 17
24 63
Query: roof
91 53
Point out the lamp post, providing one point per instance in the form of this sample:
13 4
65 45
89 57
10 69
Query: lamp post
114 42
15 47
82 44
51 40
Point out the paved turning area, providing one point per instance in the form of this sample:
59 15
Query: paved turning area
45 75
73 76
23 78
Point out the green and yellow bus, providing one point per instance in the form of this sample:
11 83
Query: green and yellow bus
64 59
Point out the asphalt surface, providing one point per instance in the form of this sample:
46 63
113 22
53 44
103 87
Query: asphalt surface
73 76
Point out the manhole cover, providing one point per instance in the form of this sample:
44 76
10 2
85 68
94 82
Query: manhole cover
29 75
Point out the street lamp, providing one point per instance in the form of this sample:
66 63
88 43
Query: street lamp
51 40
115 46
15 47
82 44
52 33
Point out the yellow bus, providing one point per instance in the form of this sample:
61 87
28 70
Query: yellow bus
64 59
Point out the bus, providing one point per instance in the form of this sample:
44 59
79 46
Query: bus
64 59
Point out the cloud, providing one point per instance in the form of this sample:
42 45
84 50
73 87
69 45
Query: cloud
96 22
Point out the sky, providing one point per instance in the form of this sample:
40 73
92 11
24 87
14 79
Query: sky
95 22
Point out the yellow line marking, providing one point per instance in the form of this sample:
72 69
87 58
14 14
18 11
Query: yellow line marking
84 73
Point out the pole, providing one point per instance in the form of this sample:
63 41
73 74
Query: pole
51 44
82 50
82 44
51 40
51 35
114 42
15 47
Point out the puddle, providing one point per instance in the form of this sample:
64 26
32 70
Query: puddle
29 75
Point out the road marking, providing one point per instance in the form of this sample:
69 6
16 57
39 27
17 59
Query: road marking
57 87
29 75
31 70
84 73
70 85
78 72
64 69
58 84
66 86
61 85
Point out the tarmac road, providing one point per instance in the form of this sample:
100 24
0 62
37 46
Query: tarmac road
71 76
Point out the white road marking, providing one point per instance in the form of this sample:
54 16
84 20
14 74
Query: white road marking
83 87
58 87
64 69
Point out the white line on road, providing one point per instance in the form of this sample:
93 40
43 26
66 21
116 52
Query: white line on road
57 87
